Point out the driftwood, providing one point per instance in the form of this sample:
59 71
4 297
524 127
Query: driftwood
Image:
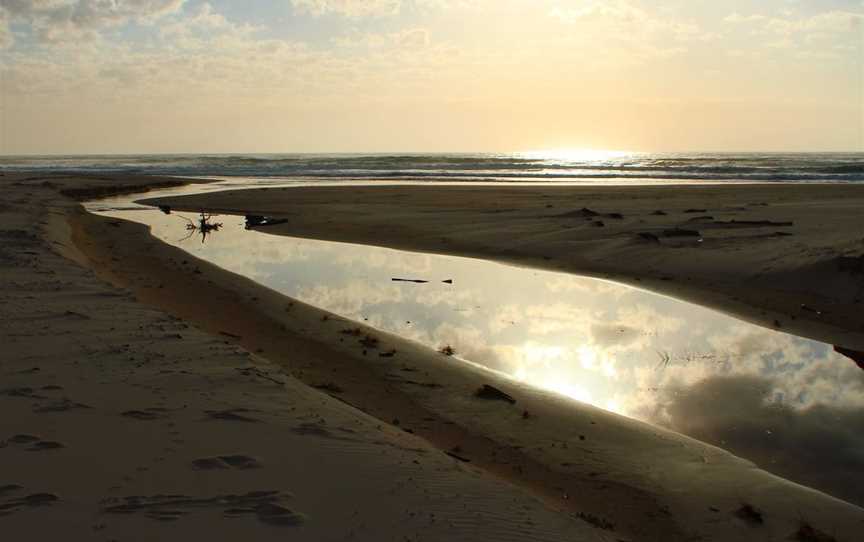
253 221
678 232
648 236
202 225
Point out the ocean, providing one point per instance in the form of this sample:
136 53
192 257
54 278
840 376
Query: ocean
571 167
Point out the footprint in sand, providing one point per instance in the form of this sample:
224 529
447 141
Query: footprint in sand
231 415
144 415
22 391
33 500
267 506
36 443
59 406
22 439
45 445
223 462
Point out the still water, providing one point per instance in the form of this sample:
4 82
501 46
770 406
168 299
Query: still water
756 391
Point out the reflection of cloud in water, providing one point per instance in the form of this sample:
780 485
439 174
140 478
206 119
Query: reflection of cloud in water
463 299
469 343
821 446
543 319
569 284
349 300
648 319
385 259
614 335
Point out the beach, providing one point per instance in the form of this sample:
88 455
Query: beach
149 392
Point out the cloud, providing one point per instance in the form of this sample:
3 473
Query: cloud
55 21
819 446
93 11
789 24
6 37
821 35
348 8
629 21
380 8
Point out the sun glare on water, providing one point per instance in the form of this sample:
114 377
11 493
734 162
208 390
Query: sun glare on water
575 155
543 366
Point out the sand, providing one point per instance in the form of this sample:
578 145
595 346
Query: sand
149 395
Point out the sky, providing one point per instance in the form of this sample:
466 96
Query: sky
189 76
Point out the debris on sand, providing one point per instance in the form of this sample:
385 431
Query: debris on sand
679 232
329 387
448 281
458 457
751 223
596 521
584 212
587 213
165 209
659 212
808 533
447 350
750 514
494 394
648 236
253 221
416 281
811 309
369 341
696 211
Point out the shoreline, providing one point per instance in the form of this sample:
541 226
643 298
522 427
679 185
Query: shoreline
652 482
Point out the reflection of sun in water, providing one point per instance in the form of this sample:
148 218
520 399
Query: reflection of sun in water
549 367
575 155
594 359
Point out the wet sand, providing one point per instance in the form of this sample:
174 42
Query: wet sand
148 394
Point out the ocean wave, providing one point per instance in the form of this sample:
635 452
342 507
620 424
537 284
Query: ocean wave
673 167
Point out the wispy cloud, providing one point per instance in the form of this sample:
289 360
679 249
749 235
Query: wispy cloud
63 20
348 8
